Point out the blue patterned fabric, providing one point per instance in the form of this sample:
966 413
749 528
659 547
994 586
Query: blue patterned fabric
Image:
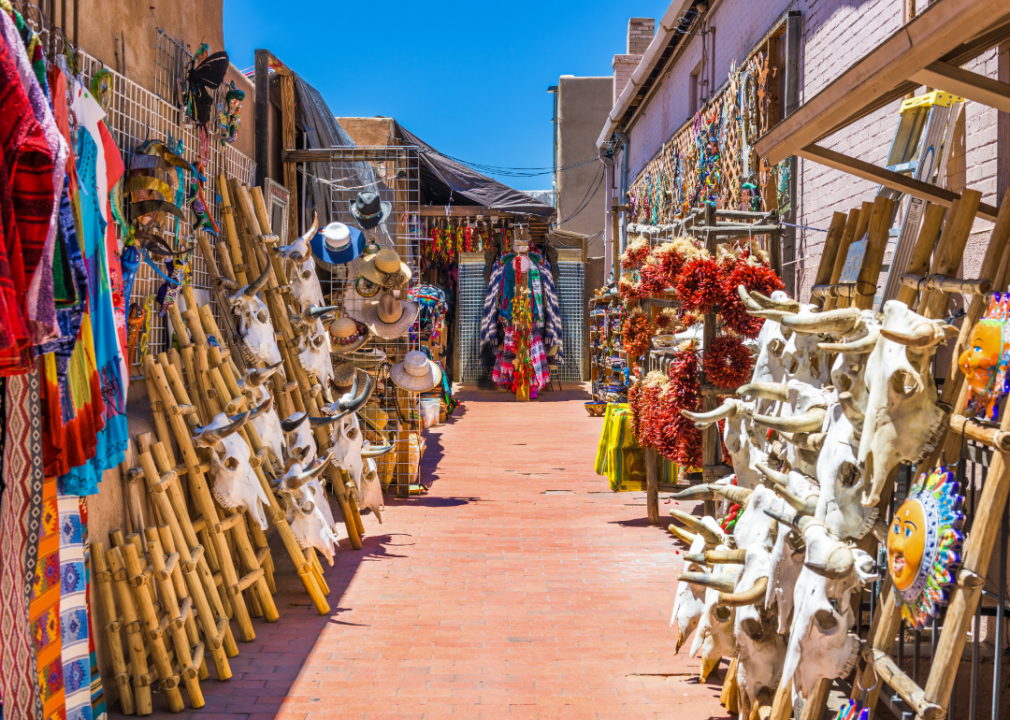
75 653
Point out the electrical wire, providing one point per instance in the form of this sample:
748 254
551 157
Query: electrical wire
587 198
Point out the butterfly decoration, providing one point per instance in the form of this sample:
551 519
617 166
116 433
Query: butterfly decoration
204 74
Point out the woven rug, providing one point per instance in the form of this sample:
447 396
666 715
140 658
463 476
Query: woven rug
73 609
44 609
98 711
20 521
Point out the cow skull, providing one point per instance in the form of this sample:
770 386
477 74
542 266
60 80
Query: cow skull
235 482
267 424
258 337
305 287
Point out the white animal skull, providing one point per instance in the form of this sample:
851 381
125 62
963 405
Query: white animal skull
235 482
258 336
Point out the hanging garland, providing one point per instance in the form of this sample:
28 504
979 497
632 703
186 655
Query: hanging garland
755 275
637 335
698 286
728 363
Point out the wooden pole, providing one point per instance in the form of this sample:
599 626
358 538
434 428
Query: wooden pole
829 252
112 628
843 249
877 235
922 252
947 258
134 639
652 486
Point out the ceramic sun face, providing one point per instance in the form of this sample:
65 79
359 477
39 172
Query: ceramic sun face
986 359
923 545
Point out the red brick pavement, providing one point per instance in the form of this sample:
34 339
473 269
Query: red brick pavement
490 597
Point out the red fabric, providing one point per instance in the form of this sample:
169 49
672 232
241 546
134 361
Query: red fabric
114 170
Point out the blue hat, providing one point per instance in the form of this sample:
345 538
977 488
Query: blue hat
337 243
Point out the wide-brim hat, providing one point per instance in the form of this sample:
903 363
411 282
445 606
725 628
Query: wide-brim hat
382 317
416 373
385 269
348 335
368 210
337 244
375 417
345 381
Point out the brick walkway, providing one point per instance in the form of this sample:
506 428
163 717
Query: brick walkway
519 587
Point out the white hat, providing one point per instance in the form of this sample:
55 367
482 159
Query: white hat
416 373
337 236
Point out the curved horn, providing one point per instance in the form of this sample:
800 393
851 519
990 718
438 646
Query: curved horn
313 313
773 315
255 378
696 525
695 492
374 452
747 597
311 233
810 421
356 403
722 583
779 478
209 437
839 564
734 494
258 284
764 390
354 385
315 471
836 322
297 455
316 422
924 335
801 506
863 346
718 557
682 534
261 408
227 283
806 441
727 410
795 521
749 302
290 424
852 411
767 303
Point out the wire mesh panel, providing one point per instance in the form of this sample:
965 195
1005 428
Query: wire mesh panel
392 172
136 115
469 306
571 289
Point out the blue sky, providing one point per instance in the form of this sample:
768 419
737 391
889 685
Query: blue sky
469 78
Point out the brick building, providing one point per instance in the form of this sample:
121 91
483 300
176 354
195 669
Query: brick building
691 53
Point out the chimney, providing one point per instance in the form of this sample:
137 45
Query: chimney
640 34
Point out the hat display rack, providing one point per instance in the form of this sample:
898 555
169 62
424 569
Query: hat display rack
399 229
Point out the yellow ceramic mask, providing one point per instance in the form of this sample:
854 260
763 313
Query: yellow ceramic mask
905 543
980 360
986 360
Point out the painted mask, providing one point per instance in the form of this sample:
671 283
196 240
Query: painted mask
984 362
923 545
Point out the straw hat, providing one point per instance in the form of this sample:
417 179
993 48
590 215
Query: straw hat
388 317
416 373
385 269
375 416
369 358
347 335
343 374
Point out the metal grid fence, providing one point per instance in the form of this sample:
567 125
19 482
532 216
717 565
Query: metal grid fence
469 306
136 115
571 289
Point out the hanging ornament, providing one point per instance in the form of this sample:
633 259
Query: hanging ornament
986 359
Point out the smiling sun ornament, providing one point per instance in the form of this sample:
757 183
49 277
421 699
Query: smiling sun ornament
924 543
987 358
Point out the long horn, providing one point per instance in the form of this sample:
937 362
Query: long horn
358 402
924 335
779 478
311 233
748 301
718 557
695 492
805 441
773 315
313 313
722 583
794 520
810 421
209 437
298 455
316 422
801 506
839 564
290 424
727 410
768 304
261 408
747 597
315 471
696 525
255 378
682 534
353 392
851 410
258 284
734 494
374 452
862 346
836 322
764 390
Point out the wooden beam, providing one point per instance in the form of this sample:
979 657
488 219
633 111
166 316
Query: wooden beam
883 176
262 115
290 172
972 86
942 27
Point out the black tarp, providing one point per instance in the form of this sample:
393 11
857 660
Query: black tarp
443 179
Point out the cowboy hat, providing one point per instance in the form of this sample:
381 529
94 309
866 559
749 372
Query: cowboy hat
369 358
368 210
385 269
337 244
416 373
348 335
344 378
388 317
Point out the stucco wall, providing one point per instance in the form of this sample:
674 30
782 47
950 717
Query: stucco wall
583 105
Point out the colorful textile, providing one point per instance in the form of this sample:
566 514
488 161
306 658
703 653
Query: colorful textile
618 455
98 710
73 609
20 519
44 609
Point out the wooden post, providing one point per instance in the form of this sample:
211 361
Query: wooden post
139 579
876 244
615 239
189 659
843 249
923 251
134 639
652 486
829 252
228 213
710 447
288 143
949 253
112 627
